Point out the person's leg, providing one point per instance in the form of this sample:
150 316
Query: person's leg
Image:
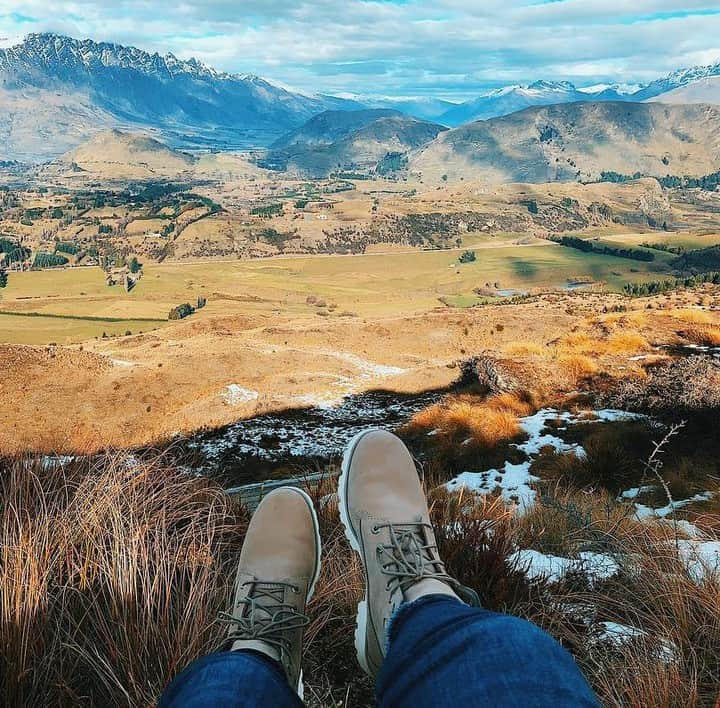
443 653
231 679
444 650
278 568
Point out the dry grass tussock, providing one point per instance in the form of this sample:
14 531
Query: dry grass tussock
577 366
614 344
692 316
705 335
112 574
467 419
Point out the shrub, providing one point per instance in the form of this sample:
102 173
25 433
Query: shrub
691 383
181 311
484 375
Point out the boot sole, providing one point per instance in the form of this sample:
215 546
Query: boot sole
300 688
361 620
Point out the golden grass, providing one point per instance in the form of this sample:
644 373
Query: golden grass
466 420
705 335
692 316
577 366
522 348
617 343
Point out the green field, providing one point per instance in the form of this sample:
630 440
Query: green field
382 284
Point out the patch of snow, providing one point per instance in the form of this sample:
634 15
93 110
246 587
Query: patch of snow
322 430
122 363
610 415
702 558
512 483
643 512
597 566
620 635
236 395
635 492
50 462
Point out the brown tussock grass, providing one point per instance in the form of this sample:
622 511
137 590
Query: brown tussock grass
692 316
578 366
484 422
705 335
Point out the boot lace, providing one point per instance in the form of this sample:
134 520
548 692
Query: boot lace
265 616
410 557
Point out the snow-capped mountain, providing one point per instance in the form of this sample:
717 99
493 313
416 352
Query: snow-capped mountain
422 107
510 99
677 79
110 83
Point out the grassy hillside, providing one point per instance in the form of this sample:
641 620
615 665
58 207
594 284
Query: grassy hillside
577 141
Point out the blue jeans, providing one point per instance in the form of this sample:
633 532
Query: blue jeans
441 653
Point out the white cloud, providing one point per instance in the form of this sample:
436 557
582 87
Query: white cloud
446 47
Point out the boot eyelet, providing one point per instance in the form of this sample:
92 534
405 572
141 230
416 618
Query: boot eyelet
380 550
296 589
374 529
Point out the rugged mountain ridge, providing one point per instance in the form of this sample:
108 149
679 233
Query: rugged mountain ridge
108 85
509 99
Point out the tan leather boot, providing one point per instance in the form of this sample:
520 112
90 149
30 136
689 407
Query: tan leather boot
279 566
385 514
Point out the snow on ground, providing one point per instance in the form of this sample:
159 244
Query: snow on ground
643 512
514 481
122 363
701 557
236 395
597 566
321 430
620 635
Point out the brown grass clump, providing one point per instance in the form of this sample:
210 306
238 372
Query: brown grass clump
578 366
705 335
481 422
691 316
626 342
111 578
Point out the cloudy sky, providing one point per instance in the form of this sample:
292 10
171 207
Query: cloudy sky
444 48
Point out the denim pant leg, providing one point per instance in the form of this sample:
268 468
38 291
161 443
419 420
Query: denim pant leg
231 679
444 653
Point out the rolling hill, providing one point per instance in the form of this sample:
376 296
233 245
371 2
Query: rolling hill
342 140
577 141
113 154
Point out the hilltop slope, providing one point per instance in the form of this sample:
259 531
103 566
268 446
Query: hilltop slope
114 154
350 140
577 141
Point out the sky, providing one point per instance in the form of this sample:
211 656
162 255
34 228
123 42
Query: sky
451 49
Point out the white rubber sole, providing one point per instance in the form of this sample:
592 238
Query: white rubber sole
300 688
361 620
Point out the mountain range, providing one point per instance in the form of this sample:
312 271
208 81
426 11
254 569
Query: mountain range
57 92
